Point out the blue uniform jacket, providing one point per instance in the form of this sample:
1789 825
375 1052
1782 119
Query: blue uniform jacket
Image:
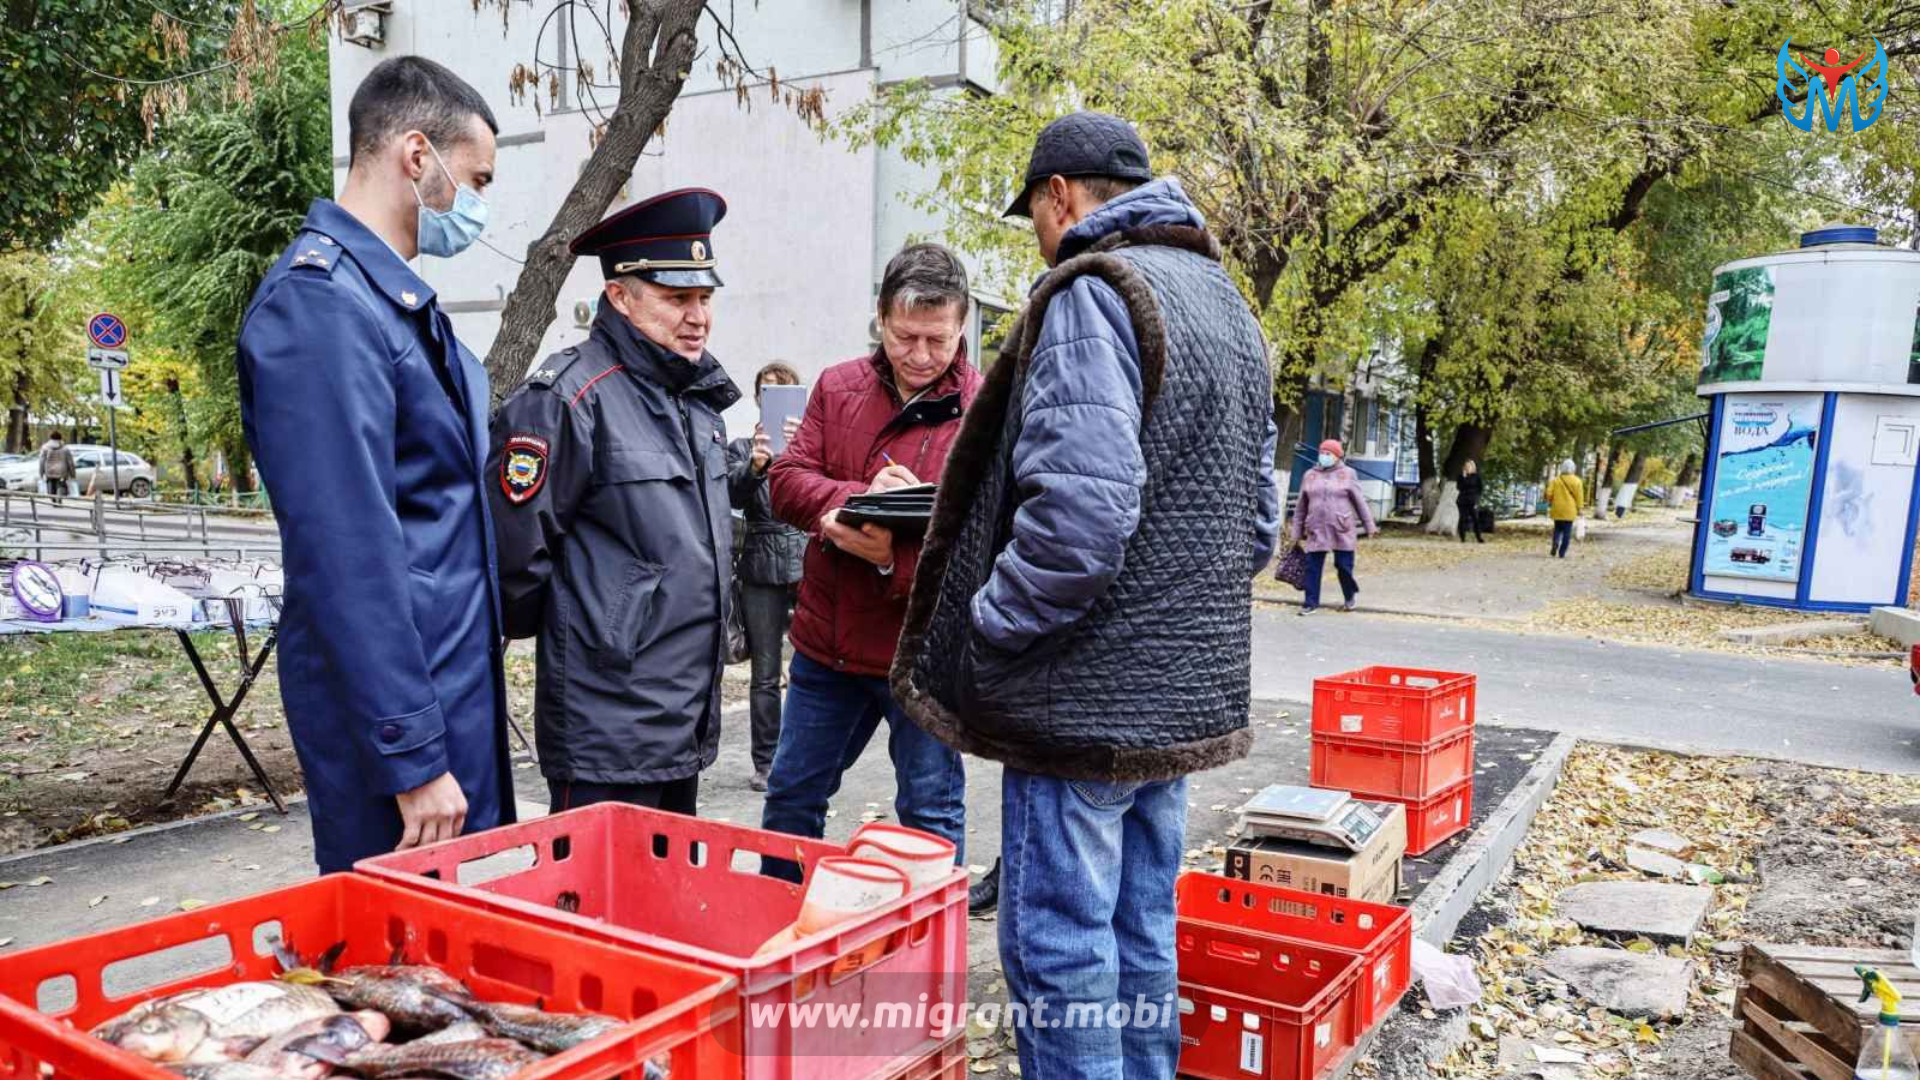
368 420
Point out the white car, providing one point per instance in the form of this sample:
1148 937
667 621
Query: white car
137 476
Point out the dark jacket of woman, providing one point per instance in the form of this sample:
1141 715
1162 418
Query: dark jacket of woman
771 551
1470 488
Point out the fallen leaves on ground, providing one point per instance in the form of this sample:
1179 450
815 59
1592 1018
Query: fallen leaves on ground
1697 626
1606 796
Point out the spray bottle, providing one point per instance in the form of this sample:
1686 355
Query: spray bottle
1885 1055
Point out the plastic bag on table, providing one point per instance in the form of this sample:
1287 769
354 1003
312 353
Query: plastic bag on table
1450 980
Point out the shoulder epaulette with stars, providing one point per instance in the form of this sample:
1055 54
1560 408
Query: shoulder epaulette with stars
315 252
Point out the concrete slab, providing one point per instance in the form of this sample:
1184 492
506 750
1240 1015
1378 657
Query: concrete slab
1634 985
1657 863
1784 632
1900 624
1661 913
1663 841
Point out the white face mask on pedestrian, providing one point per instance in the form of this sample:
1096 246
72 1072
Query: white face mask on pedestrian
1328 461
446 233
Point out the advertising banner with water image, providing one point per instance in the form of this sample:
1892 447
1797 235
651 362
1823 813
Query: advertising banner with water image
1762 484
1739 316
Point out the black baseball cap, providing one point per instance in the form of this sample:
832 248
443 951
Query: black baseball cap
1084 144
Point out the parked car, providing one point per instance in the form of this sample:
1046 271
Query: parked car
20 472
137 477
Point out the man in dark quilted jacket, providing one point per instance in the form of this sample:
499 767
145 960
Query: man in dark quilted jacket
1083 607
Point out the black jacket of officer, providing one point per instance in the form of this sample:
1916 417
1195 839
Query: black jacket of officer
612 512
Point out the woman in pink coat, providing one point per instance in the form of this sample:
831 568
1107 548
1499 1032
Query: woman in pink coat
1328 518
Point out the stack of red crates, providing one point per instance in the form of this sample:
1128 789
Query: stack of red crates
1394 734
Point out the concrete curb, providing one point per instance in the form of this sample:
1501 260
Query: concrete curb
1408 1044
1484 857
263 808
1405 1047
1404 613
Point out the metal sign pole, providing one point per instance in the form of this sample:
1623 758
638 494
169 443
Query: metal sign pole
113 440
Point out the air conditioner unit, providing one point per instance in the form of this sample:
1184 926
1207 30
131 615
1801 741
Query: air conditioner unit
366 24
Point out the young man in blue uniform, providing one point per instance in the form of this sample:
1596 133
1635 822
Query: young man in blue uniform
368 421
609 470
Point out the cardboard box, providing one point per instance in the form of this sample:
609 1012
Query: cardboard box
1371 874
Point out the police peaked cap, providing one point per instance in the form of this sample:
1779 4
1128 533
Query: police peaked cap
667 240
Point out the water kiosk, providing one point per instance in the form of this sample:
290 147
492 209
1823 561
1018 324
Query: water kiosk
1811 360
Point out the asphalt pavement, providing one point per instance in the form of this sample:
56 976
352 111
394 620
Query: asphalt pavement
1809 711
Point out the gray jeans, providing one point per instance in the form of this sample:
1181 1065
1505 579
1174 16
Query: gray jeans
768 613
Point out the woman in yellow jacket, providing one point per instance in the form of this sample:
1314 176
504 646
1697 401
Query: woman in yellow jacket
1564 496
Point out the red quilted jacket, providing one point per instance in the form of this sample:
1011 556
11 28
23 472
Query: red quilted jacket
849 615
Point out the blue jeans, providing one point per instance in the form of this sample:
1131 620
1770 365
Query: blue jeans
1342 565
1087 921
828 720
1562 538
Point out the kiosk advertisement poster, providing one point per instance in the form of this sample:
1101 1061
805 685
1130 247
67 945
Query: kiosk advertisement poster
1762 484
1739 316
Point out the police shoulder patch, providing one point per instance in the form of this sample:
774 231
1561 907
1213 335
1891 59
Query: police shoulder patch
523 467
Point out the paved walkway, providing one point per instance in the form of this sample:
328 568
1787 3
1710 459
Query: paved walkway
1509 577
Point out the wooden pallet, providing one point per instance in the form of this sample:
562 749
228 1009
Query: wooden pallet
1800 1012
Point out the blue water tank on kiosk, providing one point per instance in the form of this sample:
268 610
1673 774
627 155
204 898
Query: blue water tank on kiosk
1811 362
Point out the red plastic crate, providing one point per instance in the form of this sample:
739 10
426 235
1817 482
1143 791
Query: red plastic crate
690 888
1253 1005
1381 935
1395 703
1380 769
1432 822
948 1061
52 995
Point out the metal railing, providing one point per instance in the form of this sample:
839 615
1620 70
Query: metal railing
94 526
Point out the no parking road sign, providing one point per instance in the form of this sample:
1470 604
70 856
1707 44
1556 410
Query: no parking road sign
107 331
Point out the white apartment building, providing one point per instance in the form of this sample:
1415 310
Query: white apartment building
811 222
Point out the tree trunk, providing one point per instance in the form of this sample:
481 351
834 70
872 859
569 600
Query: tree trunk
1689 470
1469 443
184 434
19 433
655 56
239 465
1630 487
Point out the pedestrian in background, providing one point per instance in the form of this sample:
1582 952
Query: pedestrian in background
1564 496
369 421
1468 501
768 569
609 471
1085 609
56 466
1327 519
873 423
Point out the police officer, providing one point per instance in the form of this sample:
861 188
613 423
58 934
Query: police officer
368 420
614 522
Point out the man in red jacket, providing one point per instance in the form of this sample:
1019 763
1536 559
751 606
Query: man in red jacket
874 423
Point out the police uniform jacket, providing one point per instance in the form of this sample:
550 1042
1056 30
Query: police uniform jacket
615 540
367 419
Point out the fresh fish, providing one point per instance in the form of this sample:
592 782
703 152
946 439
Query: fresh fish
411 1005
218 1024
550 1033
230 1070
464 1031
431 977
313 1048
481 1059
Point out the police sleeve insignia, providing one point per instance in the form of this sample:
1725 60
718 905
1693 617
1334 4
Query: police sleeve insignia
523 467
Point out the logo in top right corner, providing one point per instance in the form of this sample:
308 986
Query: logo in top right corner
1837 89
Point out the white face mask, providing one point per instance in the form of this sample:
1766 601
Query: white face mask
1327 461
